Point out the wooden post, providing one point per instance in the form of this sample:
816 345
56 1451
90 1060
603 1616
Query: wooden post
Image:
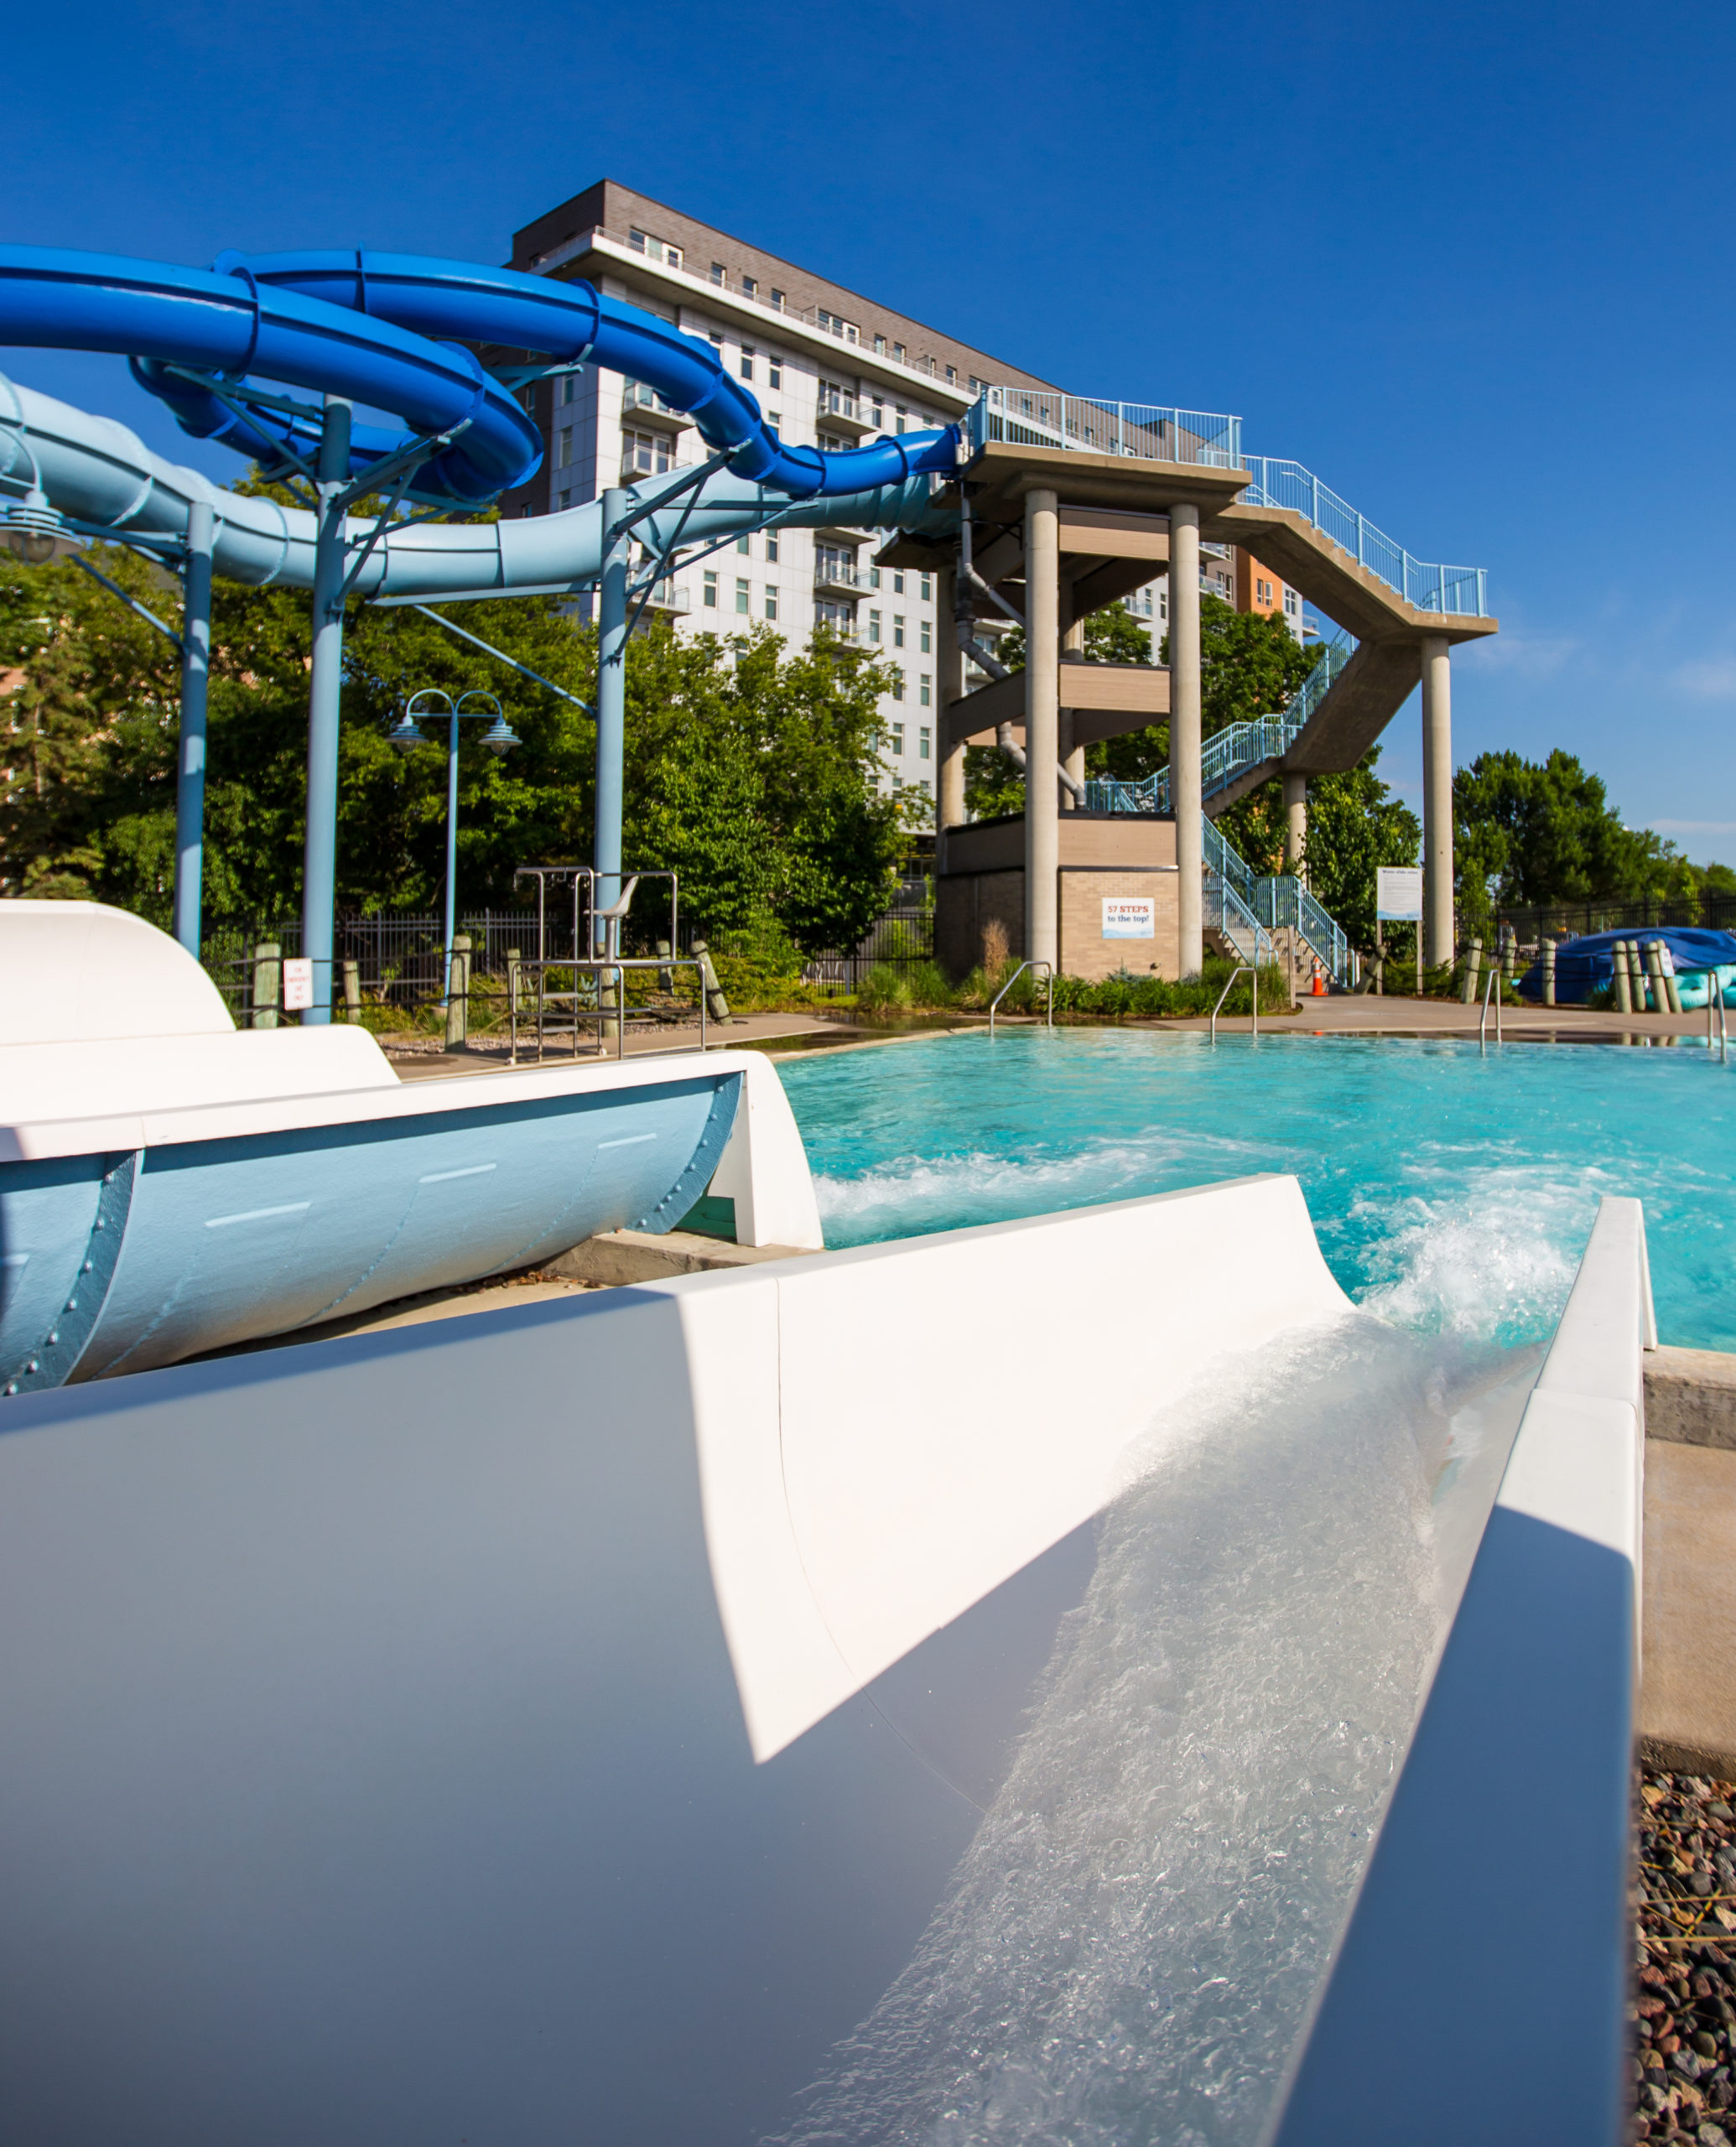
268 983
458 1000
1619 965
1380 959
515 979
1549 972
352 992
1474 964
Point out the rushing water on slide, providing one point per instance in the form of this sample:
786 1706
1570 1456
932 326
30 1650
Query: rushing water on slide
1129 1949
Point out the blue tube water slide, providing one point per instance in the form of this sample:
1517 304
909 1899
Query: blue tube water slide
385 331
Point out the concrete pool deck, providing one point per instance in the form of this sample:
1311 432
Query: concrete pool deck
1344 1015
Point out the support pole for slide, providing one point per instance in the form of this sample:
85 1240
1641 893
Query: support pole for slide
319 890
190 754
950 779
1184 727
1437 800
612 703
1072 756
1042 724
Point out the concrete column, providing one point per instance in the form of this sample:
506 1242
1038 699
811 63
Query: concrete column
1072 756
1184 721
1295 821
1042 724
949 676
1438 929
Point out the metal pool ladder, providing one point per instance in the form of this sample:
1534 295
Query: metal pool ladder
1493 985
1048 970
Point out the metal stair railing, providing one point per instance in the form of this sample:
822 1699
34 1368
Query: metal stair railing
1230 753
1456 589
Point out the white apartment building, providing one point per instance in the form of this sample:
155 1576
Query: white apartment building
830 369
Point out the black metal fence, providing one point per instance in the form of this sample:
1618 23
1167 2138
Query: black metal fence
1571 920
399 955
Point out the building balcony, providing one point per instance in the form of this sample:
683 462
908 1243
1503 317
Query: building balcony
640 405
666 598
851 417
840 579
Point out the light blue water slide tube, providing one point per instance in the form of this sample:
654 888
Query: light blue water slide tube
377 328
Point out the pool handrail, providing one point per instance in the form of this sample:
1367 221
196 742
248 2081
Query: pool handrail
1252 974
1493 984
1036 963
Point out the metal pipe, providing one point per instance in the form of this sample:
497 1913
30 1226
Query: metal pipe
611 704
318 886
1184 722
451 850
189 758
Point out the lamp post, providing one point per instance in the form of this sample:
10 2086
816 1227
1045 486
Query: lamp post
499 739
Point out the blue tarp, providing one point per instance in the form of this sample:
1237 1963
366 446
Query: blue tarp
1581 965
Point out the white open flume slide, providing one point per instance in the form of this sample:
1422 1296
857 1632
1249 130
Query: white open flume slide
587 1721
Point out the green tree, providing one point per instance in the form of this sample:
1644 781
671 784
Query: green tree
1528 832
1356 825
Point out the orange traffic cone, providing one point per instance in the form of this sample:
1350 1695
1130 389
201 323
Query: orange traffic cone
1319 984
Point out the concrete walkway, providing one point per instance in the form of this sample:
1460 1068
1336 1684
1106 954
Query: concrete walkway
1366 1016
423 1058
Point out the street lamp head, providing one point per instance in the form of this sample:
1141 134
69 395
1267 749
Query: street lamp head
35 531
404 734
501 737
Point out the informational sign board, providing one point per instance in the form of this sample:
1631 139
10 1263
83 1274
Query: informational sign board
1398 894
1130 917
297 985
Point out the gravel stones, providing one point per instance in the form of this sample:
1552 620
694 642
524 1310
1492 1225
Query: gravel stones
1683 2013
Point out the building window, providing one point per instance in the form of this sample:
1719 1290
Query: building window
771 601
924 735
564 450
717 342
898 584
743 547
897 630
901 419
775 420
718 274
879 346
897 685
569 384
840 617
835 325
1289 602
771 548
874 577
774 372
976 385
877 415
925 695
710 596
777 301
833 443
928 588
952 374
897 736
1163 601
750 287
748 355
898 352
927 638
874 625
645 454
744 597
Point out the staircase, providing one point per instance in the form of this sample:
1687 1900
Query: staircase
1243 908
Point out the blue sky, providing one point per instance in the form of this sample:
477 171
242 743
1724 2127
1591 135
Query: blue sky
1470 263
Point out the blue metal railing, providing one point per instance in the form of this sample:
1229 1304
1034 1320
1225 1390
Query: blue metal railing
1460 591
1154 432
1088 424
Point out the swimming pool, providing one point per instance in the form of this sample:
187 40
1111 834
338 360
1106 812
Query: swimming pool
1452 1192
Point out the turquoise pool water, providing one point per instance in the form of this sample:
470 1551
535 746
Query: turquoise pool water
1453 1194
